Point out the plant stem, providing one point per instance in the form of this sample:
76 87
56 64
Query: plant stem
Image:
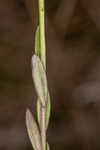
42 31
43 126
43 59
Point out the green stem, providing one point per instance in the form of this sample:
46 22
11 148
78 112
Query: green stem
42 31
43 126
43 59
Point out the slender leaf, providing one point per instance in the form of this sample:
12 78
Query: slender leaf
48 109
47 147
37 42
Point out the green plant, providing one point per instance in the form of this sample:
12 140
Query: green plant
37 133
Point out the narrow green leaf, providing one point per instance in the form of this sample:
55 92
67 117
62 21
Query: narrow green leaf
33 131
39 77
37 42
47 147
48 108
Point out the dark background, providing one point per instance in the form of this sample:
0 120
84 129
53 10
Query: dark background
73 70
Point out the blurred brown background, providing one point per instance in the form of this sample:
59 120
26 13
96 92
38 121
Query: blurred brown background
73 69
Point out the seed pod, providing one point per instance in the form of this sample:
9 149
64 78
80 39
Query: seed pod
33 131
39 77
